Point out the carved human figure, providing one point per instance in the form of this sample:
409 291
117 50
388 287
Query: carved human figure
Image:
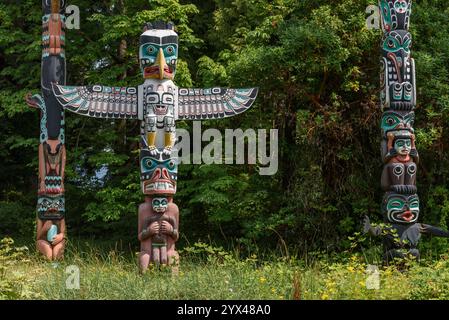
50 238
158 232
401 161
401 148
401 232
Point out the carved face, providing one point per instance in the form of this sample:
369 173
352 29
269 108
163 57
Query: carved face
50 207
160 104
398 208
397 120
158 54
398 71
400 6
403 146
158 173
159 205
395 14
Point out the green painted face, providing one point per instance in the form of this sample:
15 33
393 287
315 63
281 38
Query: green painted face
403 146
400 6
401 208
158 53
150 51
394 120
159 205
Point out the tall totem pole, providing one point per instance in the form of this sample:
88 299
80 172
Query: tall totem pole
52 154
157 103
400 204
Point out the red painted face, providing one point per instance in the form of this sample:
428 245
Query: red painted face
158 175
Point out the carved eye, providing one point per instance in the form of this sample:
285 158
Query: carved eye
170 49
167 98
171 164
151 49
148 164
390 121
153 98
396 204
390 43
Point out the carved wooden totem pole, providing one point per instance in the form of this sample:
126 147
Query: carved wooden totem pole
400 204
157 103
52 154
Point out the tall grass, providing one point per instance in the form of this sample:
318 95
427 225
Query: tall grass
207 272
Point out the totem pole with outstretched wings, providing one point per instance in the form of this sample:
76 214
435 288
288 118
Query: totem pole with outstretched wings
158 103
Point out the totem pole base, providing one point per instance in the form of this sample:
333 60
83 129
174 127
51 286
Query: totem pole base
158 232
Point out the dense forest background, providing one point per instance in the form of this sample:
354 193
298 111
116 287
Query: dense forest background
317 67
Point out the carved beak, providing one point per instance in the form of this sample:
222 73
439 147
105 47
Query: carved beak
160 61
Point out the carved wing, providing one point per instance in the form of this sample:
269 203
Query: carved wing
100 101
213 103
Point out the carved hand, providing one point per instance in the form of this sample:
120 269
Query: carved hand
166 228
390 136
167 150
42 187
57 239
153 228
153 150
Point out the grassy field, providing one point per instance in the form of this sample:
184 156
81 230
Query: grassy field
207 272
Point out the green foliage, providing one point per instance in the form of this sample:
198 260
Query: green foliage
14 284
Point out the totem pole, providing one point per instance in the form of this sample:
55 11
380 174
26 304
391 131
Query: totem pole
157 103
400 204
50 204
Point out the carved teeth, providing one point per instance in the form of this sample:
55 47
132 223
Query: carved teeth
159 186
